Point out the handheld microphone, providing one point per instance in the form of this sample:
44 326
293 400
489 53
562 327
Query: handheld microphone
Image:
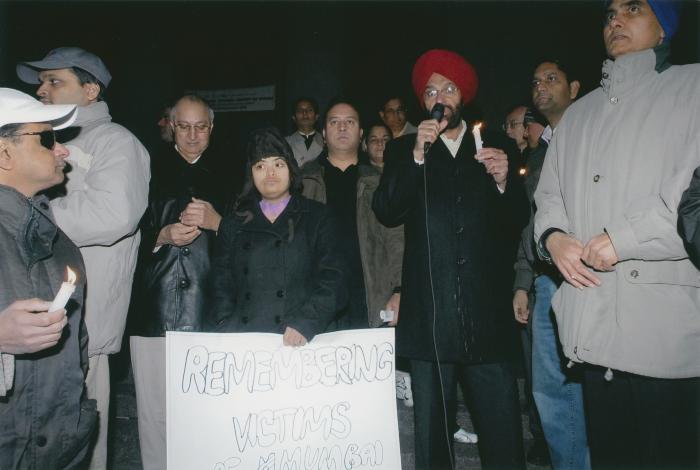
436 113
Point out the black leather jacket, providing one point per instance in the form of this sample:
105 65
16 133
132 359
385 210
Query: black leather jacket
172 280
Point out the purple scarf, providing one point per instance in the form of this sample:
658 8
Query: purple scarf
272 210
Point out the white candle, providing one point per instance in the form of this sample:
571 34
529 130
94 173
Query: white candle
477 137
64 293
386 315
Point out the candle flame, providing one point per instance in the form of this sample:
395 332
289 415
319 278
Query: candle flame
477 125
72 277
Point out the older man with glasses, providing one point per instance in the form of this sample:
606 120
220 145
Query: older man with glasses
106 195
514 127
183 216
462 211
45 419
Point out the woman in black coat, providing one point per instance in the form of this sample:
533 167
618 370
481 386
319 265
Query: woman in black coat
277 266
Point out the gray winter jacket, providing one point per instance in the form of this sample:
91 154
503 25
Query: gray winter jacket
618 163
107 195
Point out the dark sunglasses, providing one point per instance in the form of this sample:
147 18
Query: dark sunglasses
47 139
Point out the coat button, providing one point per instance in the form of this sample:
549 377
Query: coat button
245 270
278 243
246 246
605 75
596 178
278 319
244 320
41 441
186 251
44 206
184 284
634 273
461 261
247 295
460 229
280 293
459 199
614 100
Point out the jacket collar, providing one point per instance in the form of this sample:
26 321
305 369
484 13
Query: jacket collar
626 72
31 221
98 111
253 219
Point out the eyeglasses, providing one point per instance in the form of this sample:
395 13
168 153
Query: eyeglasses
47 138
199 128
511 124
449 90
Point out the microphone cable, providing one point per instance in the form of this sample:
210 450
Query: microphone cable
448 435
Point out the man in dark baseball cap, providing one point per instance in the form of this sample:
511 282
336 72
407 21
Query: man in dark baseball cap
106 194
62 64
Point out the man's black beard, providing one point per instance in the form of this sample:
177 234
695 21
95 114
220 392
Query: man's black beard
456 118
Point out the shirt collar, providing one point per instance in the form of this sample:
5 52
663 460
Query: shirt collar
193 161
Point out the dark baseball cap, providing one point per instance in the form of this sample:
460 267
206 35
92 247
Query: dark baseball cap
63 58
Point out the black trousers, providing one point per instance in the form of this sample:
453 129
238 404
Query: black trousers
493 396
637 422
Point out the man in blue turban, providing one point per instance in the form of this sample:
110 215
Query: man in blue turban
628 312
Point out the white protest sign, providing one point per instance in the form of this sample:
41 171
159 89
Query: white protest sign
242 401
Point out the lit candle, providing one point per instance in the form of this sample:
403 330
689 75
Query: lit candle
477 137
64 293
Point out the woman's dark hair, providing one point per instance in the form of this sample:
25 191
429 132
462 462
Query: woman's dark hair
264 143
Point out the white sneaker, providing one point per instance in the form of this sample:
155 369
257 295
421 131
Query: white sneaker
464 437
403 388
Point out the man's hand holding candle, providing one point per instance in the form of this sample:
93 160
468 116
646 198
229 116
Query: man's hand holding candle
496 163
26 326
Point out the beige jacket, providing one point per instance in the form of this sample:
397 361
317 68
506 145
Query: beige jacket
107 193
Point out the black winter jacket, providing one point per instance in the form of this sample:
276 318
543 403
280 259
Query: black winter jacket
267 276
689 218
469 245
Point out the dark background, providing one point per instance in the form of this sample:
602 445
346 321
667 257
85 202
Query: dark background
156 50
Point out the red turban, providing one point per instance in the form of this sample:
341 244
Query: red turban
451 66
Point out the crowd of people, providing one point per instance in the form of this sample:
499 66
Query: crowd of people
571 236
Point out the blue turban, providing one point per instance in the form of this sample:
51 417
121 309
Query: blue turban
668 14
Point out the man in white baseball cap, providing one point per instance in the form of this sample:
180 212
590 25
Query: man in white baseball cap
46 421
106 195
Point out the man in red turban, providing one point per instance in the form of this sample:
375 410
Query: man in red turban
462 212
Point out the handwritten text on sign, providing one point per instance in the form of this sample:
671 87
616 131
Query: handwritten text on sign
244 401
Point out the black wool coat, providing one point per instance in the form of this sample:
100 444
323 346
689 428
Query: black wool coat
268 276
172 282
469 245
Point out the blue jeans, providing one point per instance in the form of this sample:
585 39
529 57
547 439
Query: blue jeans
557 391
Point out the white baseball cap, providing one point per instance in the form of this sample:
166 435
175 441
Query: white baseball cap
20 108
